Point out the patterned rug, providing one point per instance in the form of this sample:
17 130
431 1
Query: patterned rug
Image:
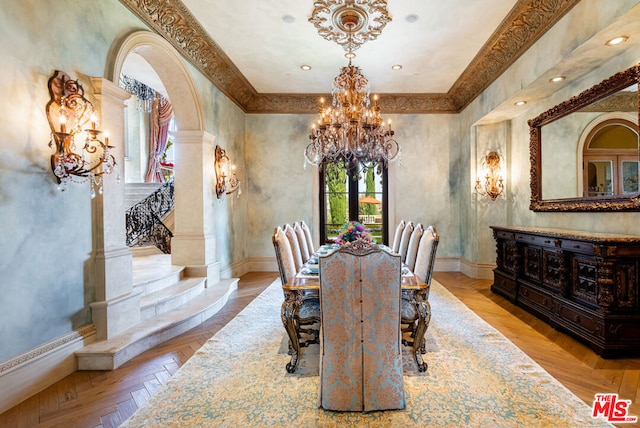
476 378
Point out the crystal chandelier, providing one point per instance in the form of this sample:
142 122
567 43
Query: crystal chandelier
350 128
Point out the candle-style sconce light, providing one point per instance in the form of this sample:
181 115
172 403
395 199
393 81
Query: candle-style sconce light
80 154
493 184
226 180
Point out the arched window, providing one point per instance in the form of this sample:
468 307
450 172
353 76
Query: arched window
351 192
610 159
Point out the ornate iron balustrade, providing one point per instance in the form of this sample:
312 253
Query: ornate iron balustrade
143 220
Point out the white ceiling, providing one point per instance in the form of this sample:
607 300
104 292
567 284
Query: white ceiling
434 50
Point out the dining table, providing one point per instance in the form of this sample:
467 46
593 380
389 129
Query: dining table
306 286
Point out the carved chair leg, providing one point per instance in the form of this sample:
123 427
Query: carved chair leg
423 309
288 314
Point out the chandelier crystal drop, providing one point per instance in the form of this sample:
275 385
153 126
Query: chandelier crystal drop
350 128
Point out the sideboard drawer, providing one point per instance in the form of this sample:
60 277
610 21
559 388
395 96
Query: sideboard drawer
579 319
531 296
504 284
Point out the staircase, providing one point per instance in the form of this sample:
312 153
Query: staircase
170 304
135 192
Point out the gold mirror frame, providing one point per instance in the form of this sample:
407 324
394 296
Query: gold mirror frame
602 90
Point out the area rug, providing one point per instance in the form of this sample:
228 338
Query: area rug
476 378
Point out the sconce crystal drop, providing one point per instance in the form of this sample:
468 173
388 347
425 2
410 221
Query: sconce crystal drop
80 154
493 182
226 180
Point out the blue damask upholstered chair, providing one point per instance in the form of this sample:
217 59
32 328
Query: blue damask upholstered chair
395 247
306 324
412 329
404 241
360 347
412 249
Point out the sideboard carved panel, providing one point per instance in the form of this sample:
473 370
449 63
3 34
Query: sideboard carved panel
585 284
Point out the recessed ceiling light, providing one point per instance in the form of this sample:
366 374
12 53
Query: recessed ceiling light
411 18
396 67
519 103
305 67
616 40
288 19
557 79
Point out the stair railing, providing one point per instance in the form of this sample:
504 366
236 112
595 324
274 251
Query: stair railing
144 219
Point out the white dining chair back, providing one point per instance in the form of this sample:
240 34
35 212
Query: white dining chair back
295 246
404 241
308 237
397 237
302 242
426 257
414 242
284 255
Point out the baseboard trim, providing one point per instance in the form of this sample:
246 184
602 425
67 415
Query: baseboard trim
31 372
236 270
477 270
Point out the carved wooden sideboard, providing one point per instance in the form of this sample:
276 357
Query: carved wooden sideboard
583 283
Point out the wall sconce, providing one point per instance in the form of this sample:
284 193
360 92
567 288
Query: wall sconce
80 154
226 180
493 181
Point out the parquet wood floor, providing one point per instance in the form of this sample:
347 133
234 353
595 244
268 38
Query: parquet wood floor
106 399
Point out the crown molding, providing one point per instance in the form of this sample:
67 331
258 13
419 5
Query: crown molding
525 24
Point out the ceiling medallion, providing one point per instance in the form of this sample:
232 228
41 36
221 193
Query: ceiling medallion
350 23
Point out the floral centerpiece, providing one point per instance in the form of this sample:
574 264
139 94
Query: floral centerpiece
354 231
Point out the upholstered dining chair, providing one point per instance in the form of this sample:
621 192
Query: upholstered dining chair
360 347
395 247
306 324
412 329
284 255
426 257
295 245
302 242
404 241
412 249
308 237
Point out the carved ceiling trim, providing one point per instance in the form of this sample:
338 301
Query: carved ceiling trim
525 24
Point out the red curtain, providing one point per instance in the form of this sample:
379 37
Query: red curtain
161 114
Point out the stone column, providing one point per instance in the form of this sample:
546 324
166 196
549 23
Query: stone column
117 306
193 244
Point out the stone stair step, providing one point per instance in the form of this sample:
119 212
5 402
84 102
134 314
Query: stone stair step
111 353
135 192
155 272
169 298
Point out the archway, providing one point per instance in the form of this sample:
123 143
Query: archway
193 246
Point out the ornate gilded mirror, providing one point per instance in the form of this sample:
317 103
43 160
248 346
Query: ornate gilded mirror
585 151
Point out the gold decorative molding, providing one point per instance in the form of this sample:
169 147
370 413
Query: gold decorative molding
525 24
